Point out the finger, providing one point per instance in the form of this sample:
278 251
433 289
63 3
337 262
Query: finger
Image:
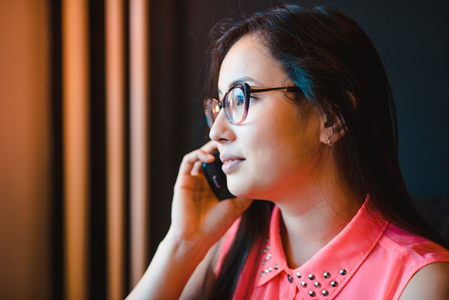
190 159
210 147
197 168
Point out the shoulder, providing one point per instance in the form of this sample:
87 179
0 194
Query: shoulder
423 265
430 282
203 278
411 249
225 245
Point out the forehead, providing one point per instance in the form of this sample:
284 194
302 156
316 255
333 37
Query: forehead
250 61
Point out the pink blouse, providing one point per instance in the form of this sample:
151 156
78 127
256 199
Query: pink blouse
368 259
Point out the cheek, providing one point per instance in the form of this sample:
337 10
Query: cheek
285 147
280 150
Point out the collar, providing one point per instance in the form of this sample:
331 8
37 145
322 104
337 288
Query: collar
328 271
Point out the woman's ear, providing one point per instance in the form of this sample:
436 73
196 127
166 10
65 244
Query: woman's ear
331 129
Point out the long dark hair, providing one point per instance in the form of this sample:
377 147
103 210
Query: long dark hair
333 61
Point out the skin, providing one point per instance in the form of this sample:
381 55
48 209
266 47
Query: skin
277 154
431 282
278 137
199 221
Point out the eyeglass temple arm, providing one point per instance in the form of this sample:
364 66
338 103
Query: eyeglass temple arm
284 88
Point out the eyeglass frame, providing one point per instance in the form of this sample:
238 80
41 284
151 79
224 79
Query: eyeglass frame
247 90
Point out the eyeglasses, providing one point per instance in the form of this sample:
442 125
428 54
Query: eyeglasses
236 102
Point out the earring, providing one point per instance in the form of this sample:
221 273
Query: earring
329 140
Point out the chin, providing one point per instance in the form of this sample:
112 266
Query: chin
242 191
238 190
240 186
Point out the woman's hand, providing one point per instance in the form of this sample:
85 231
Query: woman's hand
197 215
199 220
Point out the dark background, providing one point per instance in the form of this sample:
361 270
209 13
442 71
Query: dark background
412 38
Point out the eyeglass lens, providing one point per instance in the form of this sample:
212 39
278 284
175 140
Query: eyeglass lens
211 109
233 104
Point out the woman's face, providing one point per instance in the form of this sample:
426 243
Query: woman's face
272 154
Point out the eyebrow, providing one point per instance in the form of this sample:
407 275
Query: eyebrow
241 80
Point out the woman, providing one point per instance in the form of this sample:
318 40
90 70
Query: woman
308 128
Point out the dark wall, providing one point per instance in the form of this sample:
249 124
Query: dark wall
411 36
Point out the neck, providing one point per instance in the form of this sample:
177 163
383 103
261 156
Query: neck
310 223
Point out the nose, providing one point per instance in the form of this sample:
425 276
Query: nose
221 130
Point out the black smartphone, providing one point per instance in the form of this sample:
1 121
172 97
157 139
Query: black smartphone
217 178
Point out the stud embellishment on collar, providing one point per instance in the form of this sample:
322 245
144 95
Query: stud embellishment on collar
318 287
266 251
322 286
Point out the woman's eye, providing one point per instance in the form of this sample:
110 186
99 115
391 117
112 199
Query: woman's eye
251 98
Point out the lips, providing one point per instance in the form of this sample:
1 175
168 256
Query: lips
230 162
